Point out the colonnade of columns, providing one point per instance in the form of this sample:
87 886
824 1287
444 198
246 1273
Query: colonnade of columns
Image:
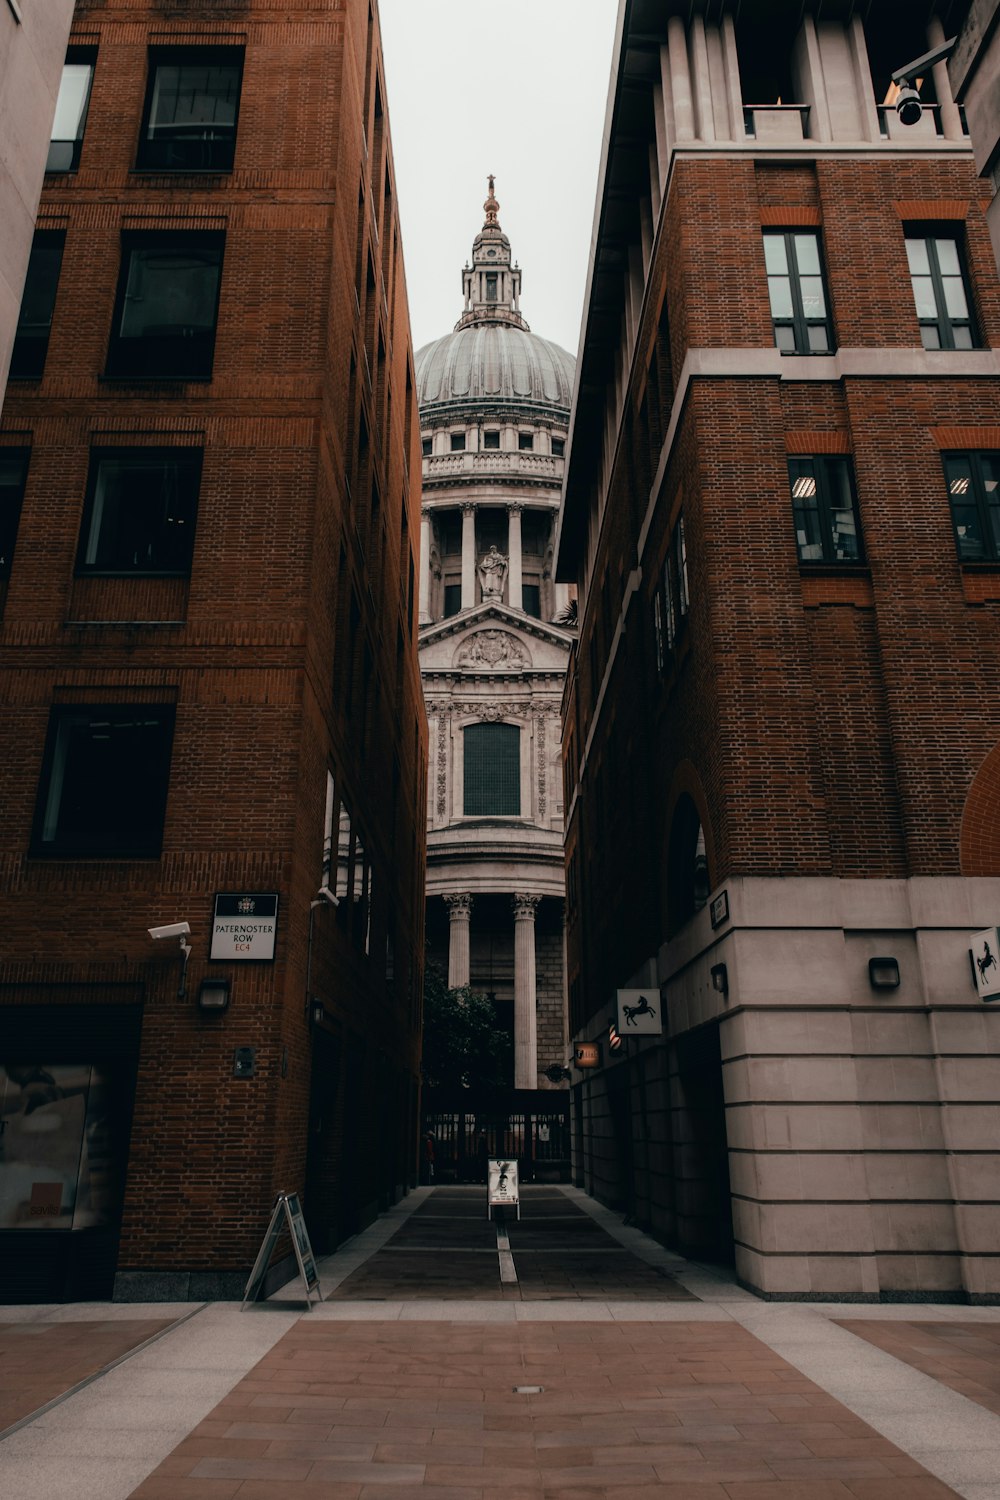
470 592
525 907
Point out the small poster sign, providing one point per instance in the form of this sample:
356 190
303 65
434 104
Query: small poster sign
501 1186
640 1012
287 1214
244 927
985 951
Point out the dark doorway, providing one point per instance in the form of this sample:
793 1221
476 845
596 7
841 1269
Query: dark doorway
701 1154
325 1134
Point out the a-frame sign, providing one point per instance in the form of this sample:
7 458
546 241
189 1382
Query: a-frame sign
287 1213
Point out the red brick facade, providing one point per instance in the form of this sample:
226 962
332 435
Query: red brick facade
289 652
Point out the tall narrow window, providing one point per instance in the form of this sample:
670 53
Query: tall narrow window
13 472
825 510
167 306
796 289
192 102
492 770
940 292
140 511
974 494
31 340
491 287
72 102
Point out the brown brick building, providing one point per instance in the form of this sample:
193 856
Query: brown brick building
781 730
212 709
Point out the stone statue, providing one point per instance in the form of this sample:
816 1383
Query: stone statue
492 574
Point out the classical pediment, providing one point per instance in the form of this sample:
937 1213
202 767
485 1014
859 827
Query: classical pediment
493 638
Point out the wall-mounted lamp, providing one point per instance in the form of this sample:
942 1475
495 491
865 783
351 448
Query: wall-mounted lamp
316 1012
883 973
720 978
213 996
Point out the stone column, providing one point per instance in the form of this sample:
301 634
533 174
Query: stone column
468 556
951 120
515 575
459 918
525 1044
425 567
680 79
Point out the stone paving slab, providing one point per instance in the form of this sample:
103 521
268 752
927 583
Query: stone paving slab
39 1361
964 1356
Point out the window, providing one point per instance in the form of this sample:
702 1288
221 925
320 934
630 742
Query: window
167 305
13 472
825 511
452 599
940 292
558 447
491 439
974 493
31 340
676 596
795 287
192 101
491 287
492 770
531 594
103 790
525 441
458 442
70 117
425 447
140 511
661 660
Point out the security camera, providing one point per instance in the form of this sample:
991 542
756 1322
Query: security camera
176 929
908 105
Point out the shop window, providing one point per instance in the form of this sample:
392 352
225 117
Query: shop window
72 103
795 286
167 306
31 339
825 510
492 770
13 473
140 511
103 788
192 103
940 292
974 494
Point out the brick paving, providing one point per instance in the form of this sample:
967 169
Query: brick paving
963 1356
686 1410
39 1361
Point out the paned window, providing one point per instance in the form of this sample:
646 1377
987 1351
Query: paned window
31 340
940 292
192 101
492 770
825 510
796 288
676 595
526 441
974 492
458 442
452 599
70 119
491 288
13 472
531 594
140 511
558 447
103 790
425 446
658 631
167 306
491 439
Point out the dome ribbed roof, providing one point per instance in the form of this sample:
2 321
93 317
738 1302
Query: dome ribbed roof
493 362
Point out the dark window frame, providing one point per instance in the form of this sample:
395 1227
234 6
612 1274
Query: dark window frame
989 525
799 322
822 466
457 442
10 522
57 161
138 833
214 154
190 457
31 347
944 324
160 357
477 794
491 439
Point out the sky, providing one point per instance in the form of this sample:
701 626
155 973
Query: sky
514 87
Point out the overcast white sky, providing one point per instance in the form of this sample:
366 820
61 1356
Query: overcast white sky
517 88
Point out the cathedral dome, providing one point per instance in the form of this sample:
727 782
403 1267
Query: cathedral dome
491 361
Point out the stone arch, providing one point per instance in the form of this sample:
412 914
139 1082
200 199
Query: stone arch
979 833
689 861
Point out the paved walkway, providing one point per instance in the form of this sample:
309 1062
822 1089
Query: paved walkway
570 1358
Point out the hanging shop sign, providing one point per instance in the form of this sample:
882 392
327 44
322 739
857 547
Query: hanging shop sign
587 1054
287 1214
985 955
244 927
640 1012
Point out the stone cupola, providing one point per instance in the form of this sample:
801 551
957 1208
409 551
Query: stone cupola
491 285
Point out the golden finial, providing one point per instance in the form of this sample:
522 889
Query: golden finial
491 206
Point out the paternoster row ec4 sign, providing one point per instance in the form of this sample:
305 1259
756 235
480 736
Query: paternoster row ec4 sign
244 927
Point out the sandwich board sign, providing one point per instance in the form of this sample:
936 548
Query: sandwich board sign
287 1214
985 952
502 1187
640 1012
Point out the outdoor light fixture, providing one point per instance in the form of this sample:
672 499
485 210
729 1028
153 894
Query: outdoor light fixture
883 973
213 995
720 978
316 1011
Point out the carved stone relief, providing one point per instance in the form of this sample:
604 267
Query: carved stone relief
492 648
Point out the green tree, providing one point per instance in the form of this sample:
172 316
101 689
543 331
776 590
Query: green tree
463 1049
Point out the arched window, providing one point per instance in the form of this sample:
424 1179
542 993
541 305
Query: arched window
492 759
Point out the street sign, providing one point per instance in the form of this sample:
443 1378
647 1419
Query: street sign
640 1012
985 951
502 1189
287 1213
244 926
